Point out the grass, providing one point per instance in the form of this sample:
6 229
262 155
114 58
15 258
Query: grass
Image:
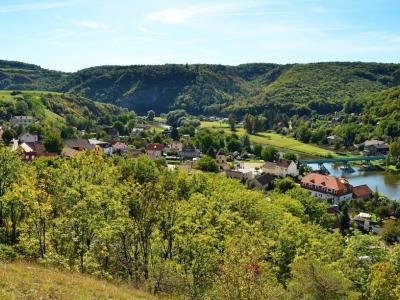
273 139
21 280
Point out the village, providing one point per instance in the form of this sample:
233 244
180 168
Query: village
182 153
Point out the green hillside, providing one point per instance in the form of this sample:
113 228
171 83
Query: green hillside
21 280
53 109
214 89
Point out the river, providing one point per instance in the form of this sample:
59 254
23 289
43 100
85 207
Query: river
387 184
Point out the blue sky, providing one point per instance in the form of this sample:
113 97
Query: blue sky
73 34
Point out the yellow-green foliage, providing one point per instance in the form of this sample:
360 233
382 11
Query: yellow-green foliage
202 236
22 280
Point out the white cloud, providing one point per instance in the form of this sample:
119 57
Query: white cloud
33 6
90 24
181 15
148 31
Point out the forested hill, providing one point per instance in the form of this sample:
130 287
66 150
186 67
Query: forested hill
214 89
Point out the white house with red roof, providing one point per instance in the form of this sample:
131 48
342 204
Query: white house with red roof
154 150
327 187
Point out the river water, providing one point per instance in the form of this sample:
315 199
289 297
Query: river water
387 184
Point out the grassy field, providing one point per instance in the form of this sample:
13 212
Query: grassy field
21 280
273 139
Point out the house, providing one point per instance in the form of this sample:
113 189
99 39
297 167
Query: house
31 151
21 120
221 158
363 220
120 147
154 150
135 152
111 131
333 139
103 145
241 174
140 127
78 144
190 152
264 181
281 168
69 152
327 187
28 153
374 147
175 146
362 192
28 138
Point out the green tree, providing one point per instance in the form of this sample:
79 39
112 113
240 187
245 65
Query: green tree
269 153
383 282
208 164
232 121
174 133
257 150
118 125
315 280
303 133
150 115
290 156
53 142
8 135
395 150
248 123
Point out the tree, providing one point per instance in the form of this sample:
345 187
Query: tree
150 115
246 142
303 133
208 164
174 133
10 165
348 133
391 230
248 123
8 135
232 121
233 143
284 184
382 282
315 280
395 150
290 156
269 153
259 124
344 219
257 149
53 142
118 125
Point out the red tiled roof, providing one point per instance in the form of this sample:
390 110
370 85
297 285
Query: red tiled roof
362 191
155 146
325 181
119 145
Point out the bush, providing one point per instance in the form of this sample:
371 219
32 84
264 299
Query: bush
208 164
7 253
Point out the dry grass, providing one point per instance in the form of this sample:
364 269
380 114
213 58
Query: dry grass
21 280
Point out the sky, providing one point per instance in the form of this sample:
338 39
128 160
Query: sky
69 35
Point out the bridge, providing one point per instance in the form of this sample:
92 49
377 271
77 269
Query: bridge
344 160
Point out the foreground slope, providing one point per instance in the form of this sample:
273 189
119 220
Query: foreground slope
21 280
